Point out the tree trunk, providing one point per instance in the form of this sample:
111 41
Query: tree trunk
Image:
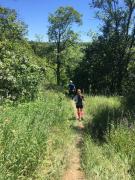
58 70
58 62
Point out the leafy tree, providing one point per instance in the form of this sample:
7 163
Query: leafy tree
108 56
72 56
11 28
118 34
19 77
61 35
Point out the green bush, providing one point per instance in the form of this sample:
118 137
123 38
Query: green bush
19 78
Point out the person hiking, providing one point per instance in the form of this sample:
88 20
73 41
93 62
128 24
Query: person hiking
72 89
79 98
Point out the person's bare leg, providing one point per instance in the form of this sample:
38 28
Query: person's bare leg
78 113
81 113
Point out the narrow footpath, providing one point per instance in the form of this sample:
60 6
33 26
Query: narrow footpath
74 171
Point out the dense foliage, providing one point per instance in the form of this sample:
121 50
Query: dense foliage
19 77
106 61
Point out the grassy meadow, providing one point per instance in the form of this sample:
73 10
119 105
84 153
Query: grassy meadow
108 151
36 138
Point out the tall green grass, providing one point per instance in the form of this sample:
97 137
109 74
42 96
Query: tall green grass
102 162
26 134
123 141
56 156
109 141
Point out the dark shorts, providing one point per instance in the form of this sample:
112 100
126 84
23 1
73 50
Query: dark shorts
79 106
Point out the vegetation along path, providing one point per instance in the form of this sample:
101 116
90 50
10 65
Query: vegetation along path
90 159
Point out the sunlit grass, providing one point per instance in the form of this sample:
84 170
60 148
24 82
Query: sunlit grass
109 142
102 163
32 132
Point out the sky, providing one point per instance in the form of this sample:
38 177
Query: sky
35 14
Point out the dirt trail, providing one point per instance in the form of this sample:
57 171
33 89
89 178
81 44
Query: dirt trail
74 171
